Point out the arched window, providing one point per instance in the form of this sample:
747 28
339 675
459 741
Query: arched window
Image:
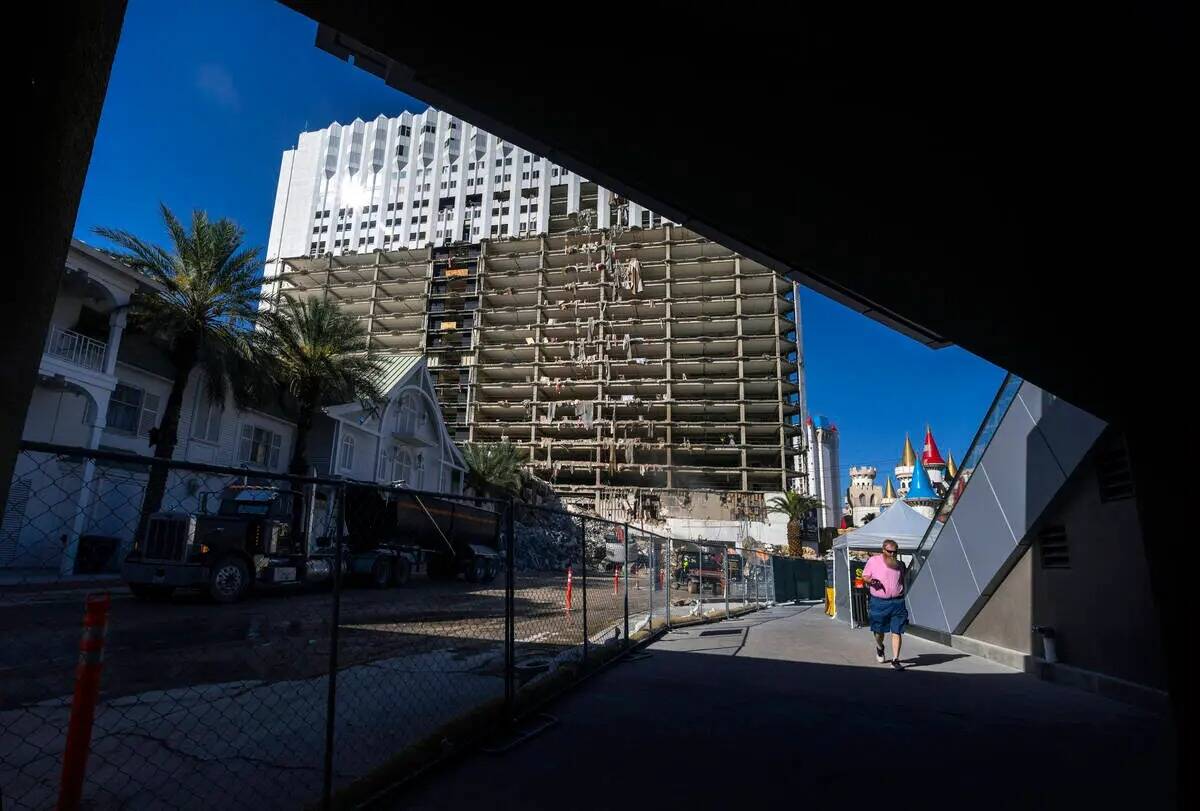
872 499
403 467
407 416
419 472
346 461
862 500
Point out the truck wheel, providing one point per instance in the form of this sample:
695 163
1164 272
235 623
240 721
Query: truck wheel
381 573
476 570
490 572
150 593
229 581
693 587
403 572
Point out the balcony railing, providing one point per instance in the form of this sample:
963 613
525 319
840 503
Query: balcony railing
77 349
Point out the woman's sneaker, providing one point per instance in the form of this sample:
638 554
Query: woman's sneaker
896 665
879 657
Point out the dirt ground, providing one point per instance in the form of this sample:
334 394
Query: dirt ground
279 635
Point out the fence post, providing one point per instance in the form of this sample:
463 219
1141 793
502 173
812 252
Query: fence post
335 620
626 579
668 575
510 620
83 704
653 561
583 567
725 557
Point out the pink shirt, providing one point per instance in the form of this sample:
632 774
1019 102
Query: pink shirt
892 579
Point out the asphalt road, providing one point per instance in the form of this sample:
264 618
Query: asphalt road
277 635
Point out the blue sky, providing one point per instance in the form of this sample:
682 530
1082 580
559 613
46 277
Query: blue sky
204 98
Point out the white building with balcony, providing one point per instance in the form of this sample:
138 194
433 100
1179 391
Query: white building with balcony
101 388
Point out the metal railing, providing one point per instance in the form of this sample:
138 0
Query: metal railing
302 691
1004 398
75 348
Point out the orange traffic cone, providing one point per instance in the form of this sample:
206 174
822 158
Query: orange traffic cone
570 578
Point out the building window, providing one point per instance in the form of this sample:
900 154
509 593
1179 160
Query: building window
499 162
206 417
346 456
405 129
132 410
401 466
508 161
419 472
525 175
507 178
497 179
259 446
525 159
536 175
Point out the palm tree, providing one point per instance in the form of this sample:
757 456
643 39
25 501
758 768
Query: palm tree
314 352
494 466
209 294
795 507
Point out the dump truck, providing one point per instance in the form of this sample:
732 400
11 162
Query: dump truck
710 575
251 541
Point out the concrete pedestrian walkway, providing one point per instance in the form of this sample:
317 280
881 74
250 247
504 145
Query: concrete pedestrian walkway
788 706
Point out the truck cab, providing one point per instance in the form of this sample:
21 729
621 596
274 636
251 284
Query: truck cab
249 541
697 571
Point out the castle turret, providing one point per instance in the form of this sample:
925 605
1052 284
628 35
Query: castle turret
864 496
889 493
904 470
921 495
931 460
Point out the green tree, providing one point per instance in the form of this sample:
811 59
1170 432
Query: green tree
494 467
209 293
795 507
315 352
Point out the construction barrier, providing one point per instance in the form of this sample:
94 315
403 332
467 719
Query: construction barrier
83 704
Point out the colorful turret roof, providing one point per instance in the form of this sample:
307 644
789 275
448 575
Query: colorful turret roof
921 488
930 456
888 491
951 468
909 458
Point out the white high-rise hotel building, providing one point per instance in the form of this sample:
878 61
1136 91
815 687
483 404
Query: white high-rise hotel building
417 179
633 360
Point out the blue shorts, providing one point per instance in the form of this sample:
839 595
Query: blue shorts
888 615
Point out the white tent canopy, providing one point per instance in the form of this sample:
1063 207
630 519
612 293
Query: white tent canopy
899 522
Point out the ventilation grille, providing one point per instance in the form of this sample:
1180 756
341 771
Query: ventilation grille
1113 473
1056 554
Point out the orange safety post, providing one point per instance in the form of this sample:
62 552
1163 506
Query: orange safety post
570 578
83 705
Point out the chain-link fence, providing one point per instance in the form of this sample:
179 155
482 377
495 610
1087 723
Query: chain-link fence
271 640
